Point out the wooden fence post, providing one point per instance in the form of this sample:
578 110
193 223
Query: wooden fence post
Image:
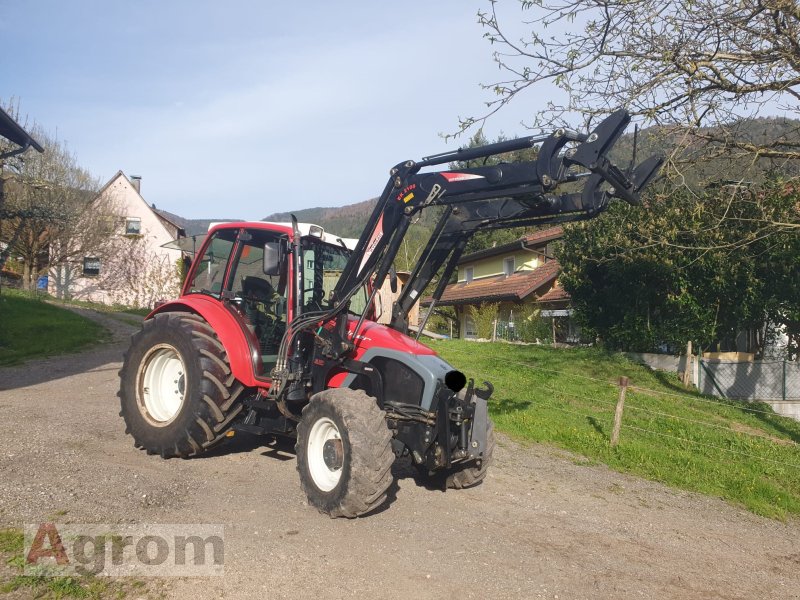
687 373
623 386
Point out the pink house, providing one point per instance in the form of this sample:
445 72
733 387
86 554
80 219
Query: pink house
132 268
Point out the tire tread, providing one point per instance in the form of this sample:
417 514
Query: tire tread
371 456
217 400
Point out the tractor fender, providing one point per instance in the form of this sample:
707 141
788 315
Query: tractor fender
231 332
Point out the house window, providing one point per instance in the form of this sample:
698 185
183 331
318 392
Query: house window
508 266
91 266
469 273
133 226
470 329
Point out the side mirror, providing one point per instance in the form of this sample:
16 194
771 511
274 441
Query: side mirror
274 257
393 279
378 306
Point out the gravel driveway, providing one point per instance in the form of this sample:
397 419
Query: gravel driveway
543 525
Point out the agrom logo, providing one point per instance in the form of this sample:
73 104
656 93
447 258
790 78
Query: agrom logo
122 550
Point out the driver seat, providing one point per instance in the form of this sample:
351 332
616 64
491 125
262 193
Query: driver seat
257 289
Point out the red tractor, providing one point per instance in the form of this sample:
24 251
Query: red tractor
274 333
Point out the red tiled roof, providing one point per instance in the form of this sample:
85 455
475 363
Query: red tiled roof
545 235
515 287
556 294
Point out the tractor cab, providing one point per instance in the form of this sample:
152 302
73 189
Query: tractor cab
250 268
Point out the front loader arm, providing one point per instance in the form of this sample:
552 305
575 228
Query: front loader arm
490 197
472 199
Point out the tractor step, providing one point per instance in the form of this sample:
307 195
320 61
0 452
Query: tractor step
254 429
258 425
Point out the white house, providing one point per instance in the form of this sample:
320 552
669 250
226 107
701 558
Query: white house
132 268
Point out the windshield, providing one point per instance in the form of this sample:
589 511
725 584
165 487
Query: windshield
322 266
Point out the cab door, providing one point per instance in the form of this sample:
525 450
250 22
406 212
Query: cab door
260 299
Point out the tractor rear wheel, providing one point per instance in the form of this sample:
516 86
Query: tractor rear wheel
177 393
344 453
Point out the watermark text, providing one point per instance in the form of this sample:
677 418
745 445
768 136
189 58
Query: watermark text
154 550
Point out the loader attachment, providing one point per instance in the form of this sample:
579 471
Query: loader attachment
593 155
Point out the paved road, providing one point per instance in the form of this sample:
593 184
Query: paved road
542 526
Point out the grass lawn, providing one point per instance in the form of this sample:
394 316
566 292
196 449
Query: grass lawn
12 554
744 453
112 309
31 328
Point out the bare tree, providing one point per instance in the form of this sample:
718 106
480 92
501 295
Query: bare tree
91 230
135 274
11 160
699 70
690 63
48 218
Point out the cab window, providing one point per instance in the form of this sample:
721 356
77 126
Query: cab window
210 271
322 267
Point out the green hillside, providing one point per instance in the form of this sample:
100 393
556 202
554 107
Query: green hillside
566 397
698 164
32 328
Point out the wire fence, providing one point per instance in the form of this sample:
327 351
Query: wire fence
714 446
777 380
740 404
562 328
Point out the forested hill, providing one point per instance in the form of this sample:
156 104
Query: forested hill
696 162
346 221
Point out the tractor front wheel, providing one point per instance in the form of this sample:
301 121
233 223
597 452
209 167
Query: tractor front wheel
460 477
177 394
344 453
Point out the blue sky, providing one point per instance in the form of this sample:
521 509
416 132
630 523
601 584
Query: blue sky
243 108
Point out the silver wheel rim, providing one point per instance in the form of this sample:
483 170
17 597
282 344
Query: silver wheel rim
161 388
325 477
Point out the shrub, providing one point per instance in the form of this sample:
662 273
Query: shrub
484 316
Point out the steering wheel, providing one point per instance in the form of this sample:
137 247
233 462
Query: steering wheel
313 304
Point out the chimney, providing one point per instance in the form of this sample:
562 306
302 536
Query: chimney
136 182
